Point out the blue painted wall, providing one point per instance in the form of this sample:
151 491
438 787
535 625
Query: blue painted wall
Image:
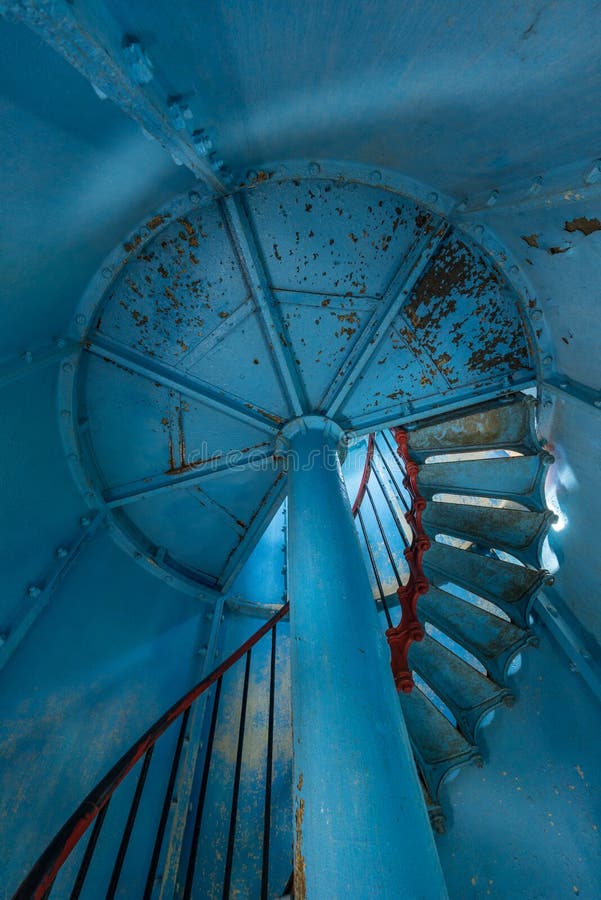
468 99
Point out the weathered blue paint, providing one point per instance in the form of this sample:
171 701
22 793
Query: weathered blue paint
480 115
361 826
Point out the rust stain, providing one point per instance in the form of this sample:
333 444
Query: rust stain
277 419
263 176
531 239
300 884
155 222
553 251
131 245
187 466
584 225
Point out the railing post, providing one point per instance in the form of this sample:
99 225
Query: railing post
360 822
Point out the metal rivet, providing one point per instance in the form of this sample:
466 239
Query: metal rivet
513 270
536 315
61 552
584 654
547 360
563 384
28 356
252 175
145 231
548 404
376 176
84 521
33 590
73 457
66 413
461 207
80 320
67 367
107 272
433 197
60 343
479 230
535 185
314 168
194 197
597 402
494 196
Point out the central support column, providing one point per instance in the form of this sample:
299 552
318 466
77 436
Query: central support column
361 827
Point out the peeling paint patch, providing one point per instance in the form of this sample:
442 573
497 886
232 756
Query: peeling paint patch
584 225
531 239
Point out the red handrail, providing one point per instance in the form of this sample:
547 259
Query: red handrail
41 877
409 629
366 473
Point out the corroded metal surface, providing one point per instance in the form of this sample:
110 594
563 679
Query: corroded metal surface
468 693
517 531
215 322
489 638
516 478
510 426
511 587
438 746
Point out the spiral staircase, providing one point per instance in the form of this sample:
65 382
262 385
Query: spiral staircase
246 299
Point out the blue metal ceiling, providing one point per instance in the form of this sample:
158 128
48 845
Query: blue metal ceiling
214 323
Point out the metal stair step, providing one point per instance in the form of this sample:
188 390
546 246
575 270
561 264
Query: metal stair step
508 425
510 587
490 639
517 478
468 694
437 745
517 531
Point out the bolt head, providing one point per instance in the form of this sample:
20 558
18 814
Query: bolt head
33 590
62 552
314 168
84 521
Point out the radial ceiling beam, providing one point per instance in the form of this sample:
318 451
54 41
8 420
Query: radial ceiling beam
117 67
561 384
249 253
31 361
171 378
452 400
195 473
396 295
39 595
